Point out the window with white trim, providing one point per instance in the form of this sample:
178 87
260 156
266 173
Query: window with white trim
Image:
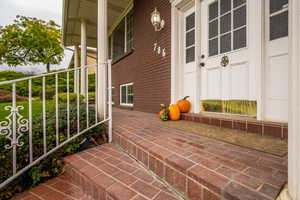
227 22
126 94
121 39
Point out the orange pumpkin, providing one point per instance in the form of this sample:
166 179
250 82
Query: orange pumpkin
184 105
174 112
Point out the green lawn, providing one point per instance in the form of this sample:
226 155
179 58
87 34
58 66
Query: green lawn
37 108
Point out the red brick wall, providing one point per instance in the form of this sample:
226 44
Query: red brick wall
150 73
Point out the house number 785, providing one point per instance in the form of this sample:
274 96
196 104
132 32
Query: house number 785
159 50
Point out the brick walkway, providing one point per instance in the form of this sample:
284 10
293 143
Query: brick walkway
200 167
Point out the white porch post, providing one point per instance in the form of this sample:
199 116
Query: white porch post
76 65
83 58
294 101
174 56
102 58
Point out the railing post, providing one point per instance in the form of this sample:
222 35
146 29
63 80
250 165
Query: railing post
109 102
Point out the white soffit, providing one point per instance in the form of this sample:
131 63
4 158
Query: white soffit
75 10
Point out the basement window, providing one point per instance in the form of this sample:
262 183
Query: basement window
126 94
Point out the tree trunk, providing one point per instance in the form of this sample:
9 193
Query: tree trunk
48 67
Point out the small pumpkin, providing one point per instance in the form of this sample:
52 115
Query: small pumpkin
174 112
184 105
164 112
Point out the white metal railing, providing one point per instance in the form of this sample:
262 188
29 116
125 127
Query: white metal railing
15 126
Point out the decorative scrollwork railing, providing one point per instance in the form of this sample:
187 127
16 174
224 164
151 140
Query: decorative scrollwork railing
16 129
14 123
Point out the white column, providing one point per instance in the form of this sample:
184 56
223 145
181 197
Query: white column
294 101
83 58
102 58
76 65
174 53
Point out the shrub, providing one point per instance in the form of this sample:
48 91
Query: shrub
49 94
6 96
52 165
63 98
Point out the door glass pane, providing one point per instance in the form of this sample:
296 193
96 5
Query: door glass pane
123 94
279 26
190 38
190 22
213 47
239 38
213 29
240 17
190 55
225 6
277 5
225 43
213 10
226 23
237 3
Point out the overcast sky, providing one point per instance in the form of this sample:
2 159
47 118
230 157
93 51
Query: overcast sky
42 9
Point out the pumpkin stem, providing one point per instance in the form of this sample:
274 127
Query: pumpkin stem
186 97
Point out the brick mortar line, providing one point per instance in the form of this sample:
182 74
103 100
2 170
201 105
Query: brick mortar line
198 163
166 184
117 179
230 179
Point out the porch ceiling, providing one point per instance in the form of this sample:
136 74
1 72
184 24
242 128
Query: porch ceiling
75 10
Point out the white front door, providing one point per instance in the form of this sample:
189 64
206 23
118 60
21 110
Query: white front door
189 58
224 53
276 71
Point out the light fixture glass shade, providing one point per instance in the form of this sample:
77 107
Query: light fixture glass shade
156 20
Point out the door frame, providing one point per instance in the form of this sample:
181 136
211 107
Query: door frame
179 7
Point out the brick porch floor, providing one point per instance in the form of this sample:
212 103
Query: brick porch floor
199 167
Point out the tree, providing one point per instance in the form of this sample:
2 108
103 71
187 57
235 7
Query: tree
31 41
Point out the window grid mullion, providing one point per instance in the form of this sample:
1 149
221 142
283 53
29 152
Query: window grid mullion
125 35
219 26
232 15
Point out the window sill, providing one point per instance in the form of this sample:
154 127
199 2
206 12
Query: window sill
129 52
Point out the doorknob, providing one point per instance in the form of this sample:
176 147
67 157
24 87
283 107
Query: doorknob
202 64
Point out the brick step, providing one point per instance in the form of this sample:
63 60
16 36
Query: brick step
58 188
107 173
102 173
201 168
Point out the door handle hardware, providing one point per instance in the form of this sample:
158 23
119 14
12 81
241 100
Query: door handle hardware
202 64
224 61
202 56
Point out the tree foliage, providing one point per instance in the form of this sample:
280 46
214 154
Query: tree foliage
31 41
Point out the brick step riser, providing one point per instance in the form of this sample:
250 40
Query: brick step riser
263 128
179 180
